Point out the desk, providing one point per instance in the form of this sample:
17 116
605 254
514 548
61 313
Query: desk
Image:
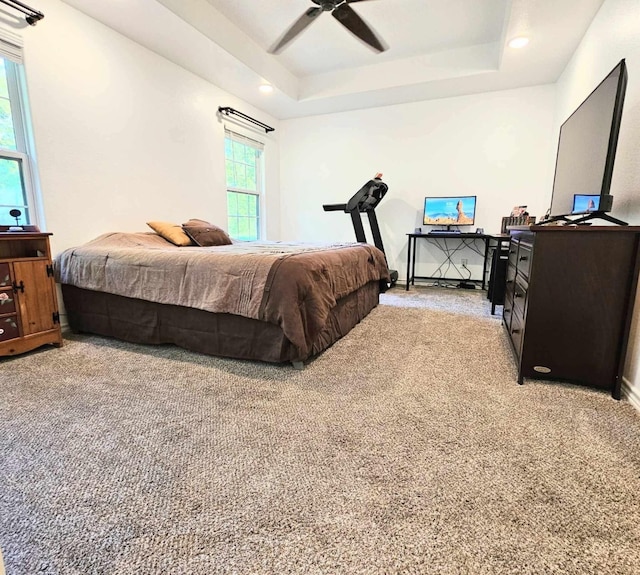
443 242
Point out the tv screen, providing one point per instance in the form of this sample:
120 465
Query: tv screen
449 211
587 148
583 204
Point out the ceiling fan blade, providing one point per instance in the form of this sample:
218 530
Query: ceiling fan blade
298 26
357 26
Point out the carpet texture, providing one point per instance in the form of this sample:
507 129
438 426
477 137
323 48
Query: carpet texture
405 448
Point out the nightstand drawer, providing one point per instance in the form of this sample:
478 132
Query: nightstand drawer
9 327
7 301
5 276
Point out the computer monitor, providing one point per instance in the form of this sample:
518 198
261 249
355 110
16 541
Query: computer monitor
449 211
585 203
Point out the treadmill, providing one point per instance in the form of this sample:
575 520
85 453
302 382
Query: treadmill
365 200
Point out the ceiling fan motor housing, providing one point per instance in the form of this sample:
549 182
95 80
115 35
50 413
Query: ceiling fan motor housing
327 5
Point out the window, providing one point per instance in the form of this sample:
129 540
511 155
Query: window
15 170
243 160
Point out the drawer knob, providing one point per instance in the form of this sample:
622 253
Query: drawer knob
18 287
517 294
524 258
515 331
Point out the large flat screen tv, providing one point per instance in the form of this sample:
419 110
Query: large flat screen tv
449 211
586 153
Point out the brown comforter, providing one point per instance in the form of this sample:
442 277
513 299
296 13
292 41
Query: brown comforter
291 285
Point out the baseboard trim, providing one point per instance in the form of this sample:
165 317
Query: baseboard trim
631 393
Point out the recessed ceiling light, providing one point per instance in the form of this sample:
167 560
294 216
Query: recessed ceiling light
266 88
519 42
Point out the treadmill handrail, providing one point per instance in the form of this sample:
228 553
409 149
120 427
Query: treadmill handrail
334 207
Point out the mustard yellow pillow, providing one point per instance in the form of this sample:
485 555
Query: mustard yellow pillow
171 232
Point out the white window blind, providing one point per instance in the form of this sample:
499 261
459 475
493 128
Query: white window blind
10 45
243 139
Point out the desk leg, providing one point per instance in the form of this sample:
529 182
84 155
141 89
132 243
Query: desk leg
408 262
413 262
484 265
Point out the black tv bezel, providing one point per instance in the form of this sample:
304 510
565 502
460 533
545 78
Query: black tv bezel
606 200
475 208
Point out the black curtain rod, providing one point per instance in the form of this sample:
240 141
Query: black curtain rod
230 111
32 15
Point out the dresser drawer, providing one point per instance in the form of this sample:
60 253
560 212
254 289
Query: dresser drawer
516 331
510 275
509 283
513 255
525 253
507 311
520 289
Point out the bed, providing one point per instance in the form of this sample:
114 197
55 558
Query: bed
268 301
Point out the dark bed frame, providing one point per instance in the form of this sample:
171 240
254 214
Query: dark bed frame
225 335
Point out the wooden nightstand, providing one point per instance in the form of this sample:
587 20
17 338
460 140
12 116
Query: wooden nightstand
29 316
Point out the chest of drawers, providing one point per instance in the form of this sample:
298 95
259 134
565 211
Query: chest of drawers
569 300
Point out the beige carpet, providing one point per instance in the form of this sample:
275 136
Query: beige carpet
406 448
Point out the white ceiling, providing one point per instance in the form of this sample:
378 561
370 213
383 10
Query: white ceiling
409 27
437 48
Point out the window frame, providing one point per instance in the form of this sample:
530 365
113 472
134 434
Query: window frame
234 135
15 89
25 173
24 152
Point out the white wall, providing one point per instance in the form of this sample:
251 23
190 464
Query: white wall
122 135
613 35
498 146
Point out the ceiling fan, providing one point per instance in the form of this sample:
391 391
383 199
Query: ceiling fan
343 13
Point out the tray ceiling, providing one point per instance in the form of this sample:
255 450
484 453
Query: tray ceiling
436 48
